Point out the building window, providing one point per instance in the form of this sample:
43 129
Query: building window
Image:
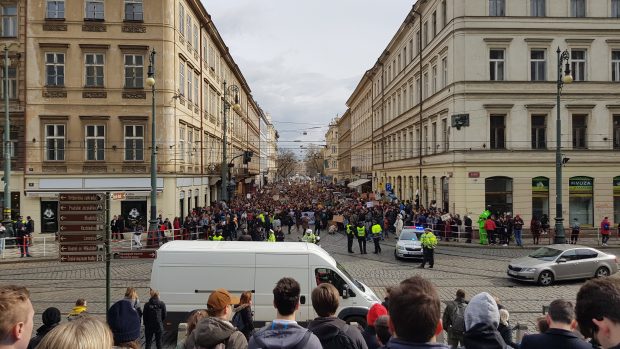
496 64
196 35
444 13
445 131
94 69
181 78
189 28
94 10
578 64
55 142
189 85
55 9
8 14
539 132
538 8
497 7
190 145
95 142
538 65
133 10
498 132
12 83
134 71
434 79
426 85
615 65
578 8
444 72
579 131
54 69
425 34
196 89
182 143
616 131
134 143
434 23
181 19
615 8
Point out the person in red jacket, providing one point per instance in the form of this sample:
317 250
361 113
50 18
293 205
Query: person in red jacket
605 230
489 226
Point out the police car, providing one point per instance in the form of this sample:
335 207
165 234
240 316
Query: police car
408 245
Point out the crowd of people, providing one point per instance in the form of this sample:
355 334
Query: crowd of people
410 317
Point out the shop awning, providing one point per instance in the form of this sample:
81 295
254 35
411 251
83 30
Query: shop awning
214 180
357 183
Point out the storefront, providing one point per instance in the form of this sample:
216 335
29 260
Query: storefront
49 216
617 199
581 199
540 196
498 194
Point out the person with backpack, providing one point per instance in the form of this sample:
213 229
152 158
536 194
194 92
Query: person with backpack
333 332
154 315
215 331
242 319
605 230
454 319
284 332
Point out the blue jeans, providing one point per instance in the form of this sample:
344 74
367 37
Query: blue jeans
518 237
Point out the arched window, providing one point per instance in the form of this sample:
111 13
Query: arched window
498 194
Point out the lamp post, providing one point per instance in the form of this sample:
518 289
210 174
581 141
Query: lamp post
150 81
560 237
7 219
228 90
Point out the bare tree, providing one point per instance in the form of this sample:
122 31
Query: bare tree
314 161
286 163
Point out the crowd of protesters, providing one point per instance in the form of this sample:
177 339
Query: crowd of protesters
412 319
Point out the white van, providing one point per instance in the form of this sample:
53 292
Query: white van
186 272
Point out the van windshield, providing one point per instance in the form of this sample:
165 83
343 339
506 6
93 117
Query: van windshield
346 273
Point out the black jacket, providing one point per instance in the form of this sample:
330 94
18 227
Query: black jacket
245 311
326 328
154 314
370 337
483 336
506 332
41 332
554 338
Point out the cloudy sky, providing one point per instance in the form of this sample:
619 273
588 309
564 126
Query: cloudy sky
303 58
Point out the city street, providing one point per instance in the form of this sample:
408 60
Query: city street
470 267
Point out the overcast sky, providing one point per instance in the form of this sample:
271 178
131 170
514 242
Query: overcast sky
303 58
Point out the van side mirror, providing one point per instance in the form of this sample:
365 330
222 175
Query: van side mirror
345 291
561 260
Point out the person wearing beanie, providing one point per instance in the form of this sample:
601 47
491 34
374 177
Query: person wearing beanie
124 321
481 322
370 332
216 328
51 319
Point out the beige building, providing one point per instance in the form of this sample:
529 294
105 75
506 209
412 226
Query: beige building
330 155
464 107
360 107
272 151
344 149
88 110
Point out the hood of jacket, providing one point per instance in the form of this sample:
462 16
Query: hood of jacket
481 309
44 329
483 336
211 331
396 343
281 335
326 327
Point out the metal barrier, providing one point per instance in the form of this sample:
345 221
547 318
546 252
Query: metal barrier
18 246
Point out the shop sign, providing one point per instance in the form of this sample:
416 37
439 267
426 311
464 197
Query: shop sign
540 184
582 185
617 185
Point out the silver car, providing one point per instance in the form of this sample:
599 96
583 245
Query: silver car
408 244
562 262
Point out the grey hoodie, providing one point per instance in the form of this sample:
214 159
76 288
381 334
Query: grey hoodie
283 335
481 309
211 331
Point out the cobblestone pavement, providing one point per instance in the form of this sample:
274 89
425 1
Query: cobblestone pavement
472 268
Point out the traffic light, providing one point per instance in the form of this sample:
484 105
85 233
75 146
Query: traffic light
247 156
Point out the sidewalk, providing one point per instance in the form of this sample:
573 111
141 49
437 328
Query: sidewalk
43 248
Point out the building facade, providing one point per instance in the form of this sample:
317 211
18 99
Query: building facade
272 151
464 107
330 155
88 111
344 149
360 106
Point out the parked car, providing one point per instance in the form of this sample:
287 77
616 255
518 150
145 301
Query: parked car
408 244
562 262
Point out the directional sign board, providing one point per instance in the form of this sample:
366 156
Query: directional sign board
142 254
82 229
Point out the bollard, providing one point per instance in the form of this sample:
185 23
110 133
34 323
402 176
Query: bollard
521 331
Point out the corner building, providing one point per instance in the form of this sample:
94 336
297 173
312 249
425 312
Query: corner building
464 107
88 111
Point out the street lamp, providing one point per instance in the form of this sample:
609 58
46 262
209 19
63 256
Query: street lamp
150 82
7 219
560 237
228 90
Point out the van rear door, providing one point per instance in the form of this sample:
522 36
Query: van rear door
271 267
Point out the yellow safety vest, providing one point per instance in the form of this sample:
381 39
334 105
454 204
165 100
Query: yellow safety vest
361 232
428 240
271 238
349 230
376 229
218 238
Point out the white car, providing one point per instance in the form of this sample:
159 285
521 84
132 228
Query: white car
408 245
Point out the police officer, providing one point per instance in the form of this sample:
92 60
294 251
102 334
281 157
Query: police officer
376 236
429 242
361 236
272 236
218 236
350 234
309 237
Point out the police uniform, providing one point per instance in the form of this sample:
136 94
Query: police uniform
376 237
350 234
429 242
361 237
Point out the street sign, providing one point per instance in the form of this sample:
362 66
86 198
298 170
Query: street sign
81 228
81 207
87 217
119 196
82 258
80 248
142 254
81 238
82 197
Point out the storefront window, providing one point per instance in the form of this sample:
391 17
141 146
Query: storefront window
617 199
498 194
540 196
445 196
580 190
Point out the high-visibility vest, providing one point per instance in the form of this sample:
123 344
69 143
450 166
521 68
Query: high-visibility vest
376 229
349 230
271 238
361 232
428 240
218 238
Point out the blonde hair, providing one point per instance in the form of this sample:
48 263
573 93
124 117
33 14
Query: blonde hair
503 317
154 293
13 307
131 293
84 333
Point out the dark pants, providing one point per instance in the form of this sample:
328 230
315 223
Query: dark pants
148 336
492 236
429 256
376 239
23 248
361 240
350 243
574 236
605 238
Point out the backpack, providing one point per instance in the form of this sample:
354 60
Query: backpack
339 341
237 321
458 317
300 345
606 226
